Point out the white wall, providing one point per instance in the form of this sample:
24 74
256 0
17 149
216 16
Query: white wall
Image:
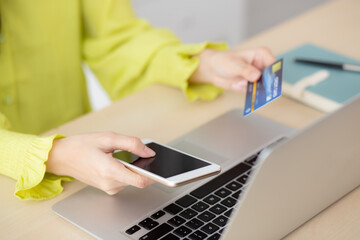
264 14
197 20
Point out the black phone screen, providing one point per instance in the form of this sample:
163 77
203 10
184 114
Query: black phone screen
166 163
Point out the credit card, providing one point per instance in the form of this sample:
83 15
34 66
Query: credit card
266 89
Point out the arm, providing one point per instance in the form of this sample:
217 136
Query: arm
127 54
40 164
23 157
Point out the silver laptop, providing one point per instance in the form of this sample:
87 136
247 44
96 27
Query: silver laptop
274 179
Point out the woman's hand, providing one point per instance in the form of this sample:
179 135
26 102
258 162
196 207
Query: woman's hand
88 158
231 69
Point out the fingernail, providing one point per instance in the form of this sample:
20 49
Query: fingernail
149 151
254 75
239 85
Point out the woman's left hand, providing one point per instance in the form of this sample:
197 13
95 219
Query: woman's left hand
231 69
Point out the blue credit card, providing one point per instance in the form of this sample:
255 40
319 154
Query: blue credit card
266 89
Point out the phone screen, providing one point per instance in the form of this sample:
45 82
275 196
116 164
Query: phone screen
166 163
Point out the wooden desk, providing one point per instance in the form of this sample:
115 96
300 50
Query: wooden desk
163 114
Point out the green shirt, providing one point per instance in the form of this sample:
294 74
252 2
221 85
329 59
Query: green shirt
42 47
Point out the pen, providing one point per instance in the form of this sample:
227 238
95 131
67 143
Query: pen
343 66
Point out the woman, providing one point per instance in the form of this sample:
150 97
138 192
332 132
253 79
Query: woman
42 46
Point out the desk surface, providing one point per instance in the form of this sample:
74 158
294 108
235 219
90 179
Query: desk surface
334 25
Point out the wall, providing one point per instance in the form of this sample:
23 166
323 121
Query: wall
197 20
264 14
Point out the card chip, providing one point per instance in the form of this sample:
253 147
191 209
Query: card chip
276 67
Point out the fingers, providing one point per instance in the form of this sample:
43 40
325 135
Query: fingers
247 65
258 57
91 160
124 175
230 69
238 84
263 58
115 190
116 171
248 71
112 141
229 65
120 186
114 176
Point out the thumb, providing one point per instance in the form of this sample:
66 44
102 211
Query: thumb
135 146
130 144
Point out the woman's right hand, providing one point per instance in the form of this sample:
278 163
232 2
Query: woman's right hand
88 158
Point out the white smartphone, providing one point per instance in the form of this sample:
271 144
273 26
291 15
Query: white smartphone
169 166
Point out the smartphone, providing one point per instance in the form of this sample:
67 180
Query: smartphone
169 166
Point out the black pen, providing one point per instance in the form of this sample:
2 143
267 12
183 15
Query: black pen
342 66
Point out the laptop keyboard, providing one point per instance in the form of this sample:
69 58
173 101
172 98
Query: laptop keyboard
201 214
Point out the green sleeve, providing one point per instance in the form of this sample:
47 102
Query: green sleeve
127 54
23 157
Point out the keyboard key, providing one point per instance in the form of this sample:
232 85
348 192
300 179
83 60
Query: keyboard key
148 223
133 230
186 201
221 221
218 209
210 228
237 194
234 186
211 199
182 231
176 221
216 236
197 235
151 225
158 215
243 179
200 206
188 213
173 209
219 181
145 221
223 193
158 232
194 223
252 160
206 216
228 212
229 202
170 237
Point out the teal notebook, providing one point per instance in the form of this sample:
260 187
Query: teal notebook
323 88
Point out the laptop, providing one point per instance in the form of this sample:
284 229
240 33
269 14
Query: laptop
273 180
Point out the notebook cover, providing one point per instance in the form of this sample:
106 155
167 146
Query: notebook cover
338 87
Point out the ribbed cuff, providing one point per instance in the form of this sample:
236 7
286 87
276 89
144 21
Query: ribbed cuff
32 182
